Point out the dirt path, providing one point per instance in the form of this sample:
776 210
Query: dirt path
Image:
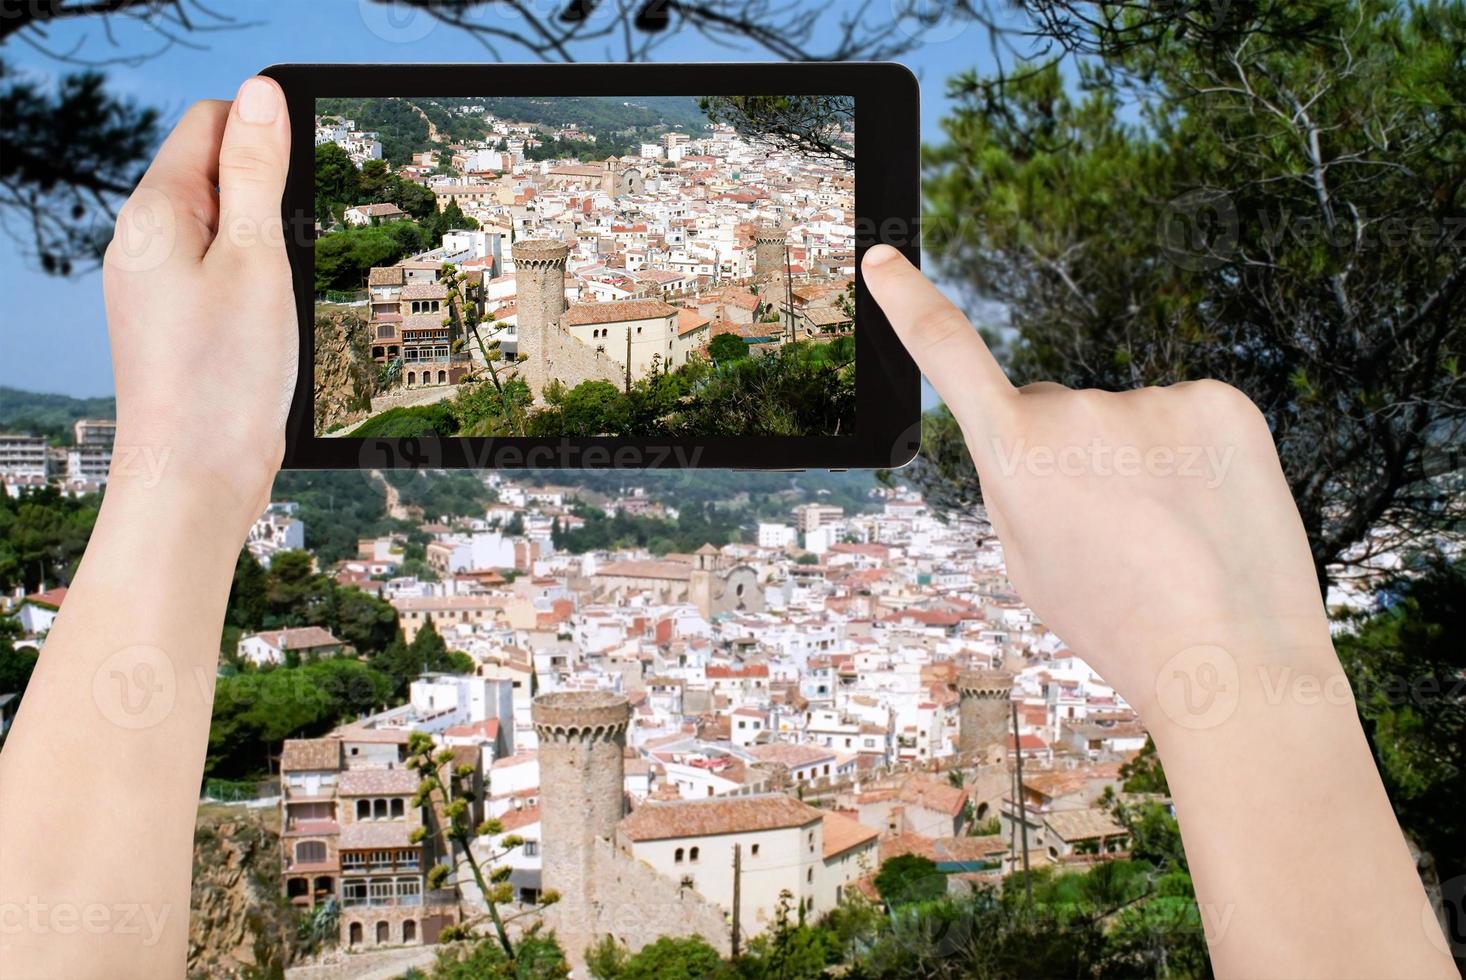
433 133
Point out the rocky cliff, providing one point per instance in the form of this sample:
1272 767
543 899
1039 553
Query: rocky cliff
345 375
239 926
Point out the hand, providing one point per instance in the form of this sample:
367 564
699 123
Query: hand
200 308
1153 531
1136 525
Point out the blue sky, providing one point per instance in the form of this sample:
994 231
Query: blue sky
54 338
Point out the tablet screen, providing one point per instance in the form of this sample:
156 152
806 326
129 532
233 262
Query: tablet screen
662 266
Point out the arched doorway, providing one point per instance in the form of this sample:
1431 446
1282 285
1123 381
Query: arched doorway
384 932
411 378
353 934
409 931
297 888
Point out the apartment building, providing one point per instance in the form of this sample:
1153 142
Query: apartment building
348 833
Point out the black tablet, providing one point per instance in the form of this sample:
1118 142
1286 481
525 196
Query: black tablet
628 266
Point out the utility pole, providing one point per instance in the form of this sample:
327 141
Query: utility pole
1022 807
789 289
737 889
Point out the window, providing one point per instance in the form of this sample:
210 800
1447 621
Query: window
409 891
693 855
310 852
363 809
379 809
353 861
353 893
531 848
381 891
809 876
677 856
397 808
811 842
753 850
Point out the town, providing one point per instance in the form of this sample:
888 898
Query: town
583 275
697 736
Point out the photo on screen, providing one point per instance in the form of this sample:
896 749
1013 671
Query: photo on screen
639 267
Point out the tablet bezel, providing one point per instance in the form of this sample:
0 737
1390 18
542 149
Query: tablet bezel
887 208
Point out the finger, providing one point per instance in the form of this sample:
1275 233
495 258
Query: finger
946 347
174 210
253 159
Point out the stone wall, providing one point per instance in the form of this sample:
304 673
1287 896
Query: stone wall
550 352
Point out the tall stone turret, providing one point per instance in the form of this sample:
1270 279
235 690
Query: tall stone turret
983 713
582 736
768 253
539 286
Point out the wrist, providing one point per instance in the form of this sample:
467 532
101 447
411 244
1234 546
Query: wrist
151 474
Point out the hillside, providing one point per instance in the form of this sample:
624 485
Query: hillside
49 415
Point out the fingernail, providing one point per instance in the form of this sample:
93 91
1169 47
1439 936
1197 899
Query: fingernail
878 254
258 101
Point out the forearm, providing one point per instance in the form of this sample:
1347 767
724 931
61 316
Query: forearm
99 778
1299 865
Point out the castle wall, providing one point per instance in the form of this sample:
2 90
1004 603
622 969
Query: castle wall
550 351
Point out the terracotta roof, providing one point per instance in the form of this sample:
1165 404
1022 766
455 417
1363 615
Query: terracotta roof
423 321
310 753
1073 825
690 321
793 756
705 818
618 310
672 570
424 290
842 833
51 598
370 833
515 819
933 795
390 275
488 728
965 849
299 638
369 782
377 210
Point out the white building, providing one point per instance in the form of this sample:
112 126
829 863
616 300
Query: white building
783 844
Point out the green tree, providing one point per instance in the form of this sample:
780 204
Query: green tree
789 949
1406 663
669 958
248 593
538 957
338 182
1143 774
809 125
909 878
447 788
727 347
1274 207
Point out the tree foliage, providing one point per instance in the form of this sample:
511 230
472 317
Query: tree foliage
1283 211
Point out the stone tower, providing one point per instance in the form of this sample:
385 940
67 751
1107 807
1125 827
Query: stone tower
768 253
983 713
539 286
582 736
